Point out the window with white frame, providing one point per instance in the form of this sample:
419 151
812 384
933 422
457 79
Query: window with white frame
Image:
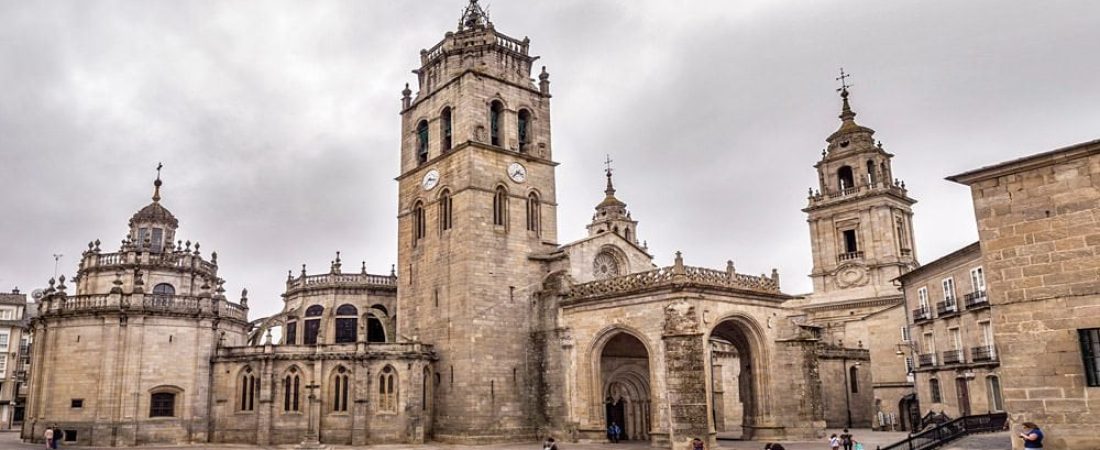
905 335
908 364
4 340
949 291
977 279
922 298
956 338
3 365
7 314
929 343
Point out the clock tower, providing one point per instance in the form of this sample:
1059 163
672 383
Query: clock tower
860 217
476 198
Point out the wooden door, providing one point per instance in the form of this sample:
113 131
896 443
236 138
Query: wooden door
962 388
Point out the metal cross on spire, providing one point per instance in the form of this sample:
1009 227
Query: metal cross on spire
157 183
843 79
607 162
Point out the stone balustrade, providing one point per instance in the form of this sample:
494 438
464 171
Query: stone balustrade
357 280
177 260
57 305
366 350
823 198
675 275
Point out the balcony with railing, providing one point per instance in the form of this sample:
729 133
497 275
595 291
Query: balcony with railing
953 357
848 256
895 188
976 300
947 308
983 353
921 314
926 360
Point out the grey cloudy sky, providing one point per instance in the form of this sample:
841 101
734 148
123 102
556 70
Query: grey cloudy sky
277 122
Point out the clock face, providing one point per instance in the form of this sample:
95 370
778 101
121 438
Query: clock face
517 172
430 180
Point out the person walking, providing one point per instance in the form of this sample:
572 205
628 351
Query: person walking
549 444
57 436
1033 437
846 439
49 437
834 442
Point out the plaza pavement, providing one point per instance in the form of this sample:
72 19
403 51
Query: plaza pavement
994 441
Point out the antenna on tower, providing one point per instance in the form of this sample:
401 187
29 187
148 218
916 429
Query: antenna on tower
56 262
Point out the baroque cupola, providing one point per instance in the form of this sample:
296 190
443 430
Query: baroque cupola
153 227
611 214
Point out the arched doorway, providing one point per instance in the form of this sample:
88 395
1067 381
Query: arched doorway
624 378
736 364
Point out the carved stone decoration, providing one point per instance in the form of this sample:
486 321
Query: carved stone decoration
851 275
680 318
605 266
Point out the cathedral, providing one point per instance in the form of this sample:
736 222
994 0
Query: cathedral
488 328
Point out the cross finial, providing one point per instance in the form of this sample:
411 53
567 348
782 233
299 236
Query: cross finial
157 183
607 164
843 79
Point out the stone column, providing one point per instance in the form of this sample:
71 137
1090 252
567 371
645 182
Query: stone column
685 376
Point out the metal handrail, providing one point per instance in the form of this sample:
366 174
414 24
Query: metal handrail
941 434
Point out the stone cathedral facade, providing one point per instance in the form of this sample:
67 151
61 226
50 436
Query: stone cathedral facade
488 328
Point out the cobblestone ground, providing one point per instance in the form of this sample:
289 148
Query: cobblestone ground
995 441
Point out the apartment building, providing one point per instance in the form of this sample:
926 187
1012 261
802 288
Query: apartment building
14 358
954 357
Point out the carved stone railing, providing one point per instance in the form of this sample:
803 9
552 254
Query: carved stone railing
830 196
174 259
365 350
341 280
669 276
176 304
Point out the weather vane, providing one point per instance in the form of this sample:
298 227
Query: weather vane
843 79
607 162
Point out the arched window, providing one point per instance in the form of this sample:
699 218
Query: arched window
164 289
626 234
500 206
381 308
496 116
418 222
426 390
375 331
250 383
871 177
162 404
313 324
291 392
845 179
340 390
422 142
523 124
445 129
347 323
387 390
291 331
993 390
445 210
533 213
853 377
934 391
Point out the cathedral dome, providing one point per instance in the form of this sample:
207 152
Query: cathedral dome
154 213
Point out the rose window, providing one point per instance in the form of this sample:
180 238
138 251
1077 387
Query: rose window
605 266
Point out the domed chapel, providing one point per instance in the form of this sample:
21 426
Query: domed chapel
593 332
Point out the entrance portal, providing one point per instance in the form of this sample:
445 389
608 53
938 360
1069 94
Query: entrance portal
624 375
734 387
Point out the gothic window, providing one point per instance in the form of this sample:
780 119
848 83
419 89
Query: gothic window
347 323
500 206
387 390
845 178
250 383
605 266
291 333
164 289
533 212
934 390
340 390
496 116
853 377
291 390
422 142
524 123
375 331
418 222
445 129
445 204
162 404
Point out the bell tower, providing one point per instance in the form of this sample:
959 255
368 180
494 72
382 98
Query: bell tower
860 217
476 198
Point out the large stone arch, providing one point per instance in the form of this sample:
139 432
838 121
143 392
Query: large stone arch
619 376
751 344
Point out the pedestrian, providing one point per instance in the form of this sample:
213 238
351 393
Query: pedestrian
696 444
1033 437
613 432
549 444
58 435
49 437
834 442
846 439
